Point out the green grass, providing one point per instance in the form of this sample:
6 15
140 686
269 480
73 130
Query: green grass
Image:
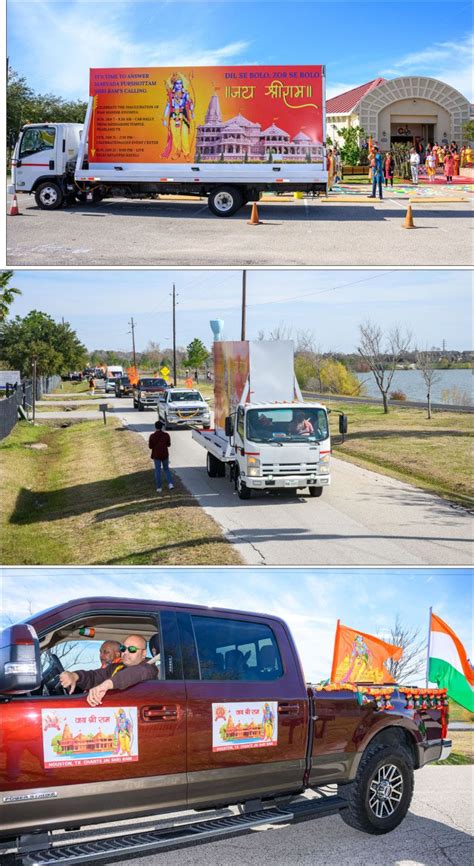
89 498
456 758
434 455
72 387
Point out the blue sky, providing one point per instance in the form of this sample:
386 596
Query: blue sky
435 304
54 42
310 600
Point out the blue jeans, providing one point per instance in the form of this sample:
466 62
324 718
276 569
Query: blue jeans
166 470
377 182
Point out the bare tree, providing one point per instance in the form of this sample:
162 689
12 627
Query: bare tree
281 332
382 353
413 660
426 363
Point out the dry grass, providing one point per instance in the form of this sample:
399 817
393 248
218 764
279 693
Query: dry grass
435 455
463 748
90 498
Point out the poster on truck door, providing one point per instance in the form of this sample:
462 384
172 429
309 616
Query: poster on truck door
244 725
208 114
74 737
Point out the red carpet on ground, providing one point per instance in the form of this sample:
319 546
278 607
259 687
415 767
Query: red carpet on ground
440 179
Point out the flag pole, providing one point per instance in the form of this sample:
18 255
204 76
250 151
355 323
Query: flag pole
428 648
334 665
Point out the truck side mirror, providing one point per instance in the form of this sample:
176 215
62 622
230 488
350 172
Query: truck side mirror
342 424
20 666
229 426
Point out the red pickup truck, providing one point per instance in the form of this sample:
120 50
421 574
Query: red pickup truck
228 721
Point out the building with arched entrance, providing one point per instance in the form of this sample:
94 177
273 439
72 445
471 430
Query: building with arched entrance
403 109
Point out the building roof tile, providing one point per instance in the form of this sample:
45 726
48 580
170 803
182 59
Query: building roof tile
348 101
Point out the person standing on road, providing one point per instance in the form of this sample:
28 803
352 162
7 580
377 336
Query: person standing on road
449 167
377 173
91 386
430 163
389 168
159 443
414 164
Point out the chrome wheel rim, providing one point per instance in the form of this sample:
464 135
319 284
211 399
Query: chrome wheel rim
48 195
385 791
223 201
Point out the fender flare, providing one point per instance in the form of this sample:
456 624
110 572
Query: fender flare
399 730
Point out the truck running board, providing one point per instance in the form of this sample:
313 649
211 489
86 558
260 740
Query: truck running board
173 837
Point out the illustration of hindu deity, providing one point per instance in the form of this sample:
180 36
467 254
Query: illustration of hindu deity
178 117
267 719
123 733
359 661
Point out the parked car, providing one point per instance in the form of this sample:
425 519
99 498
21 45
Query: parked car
182 407
123 386
110 385
147 391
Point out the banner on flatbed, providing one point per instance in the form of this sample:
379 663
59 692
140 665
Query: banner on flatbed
208 114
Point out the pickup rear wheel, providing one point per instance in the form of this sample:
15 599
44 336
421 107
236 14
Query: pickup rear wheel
225 202
315 491
380 795
49 196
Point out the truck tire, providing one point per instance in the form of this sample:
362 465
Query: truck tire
380 795
243 492
140 406
213 466
49 195
225 202
315 491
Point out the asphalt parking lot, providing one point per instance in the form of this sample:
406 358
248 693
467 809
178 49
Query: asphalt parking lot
293 232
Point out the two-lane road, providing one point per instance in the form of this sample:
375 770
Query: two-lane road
363 518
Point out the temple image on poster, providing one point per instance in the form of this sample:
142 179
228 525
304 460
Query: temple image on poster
241 140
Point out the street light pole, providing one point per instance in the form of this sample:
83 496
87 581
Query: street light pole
174 335
244 303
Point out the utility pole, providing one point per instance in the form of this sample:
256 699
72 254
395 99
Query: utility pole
132 325
244 303
174 335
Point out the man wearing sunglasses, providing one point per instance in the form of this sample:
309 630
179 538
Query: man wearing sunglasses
130 670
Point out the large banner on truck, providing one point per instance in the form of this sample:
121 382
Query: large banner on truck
231 370
229 114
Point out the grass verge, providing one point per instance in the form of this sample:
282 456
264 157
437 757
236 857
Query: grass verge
434 455
72 387
463 748
89 497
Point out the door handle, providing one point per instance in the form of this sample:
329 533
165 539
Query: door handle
160 713
288 709
51 164
276 168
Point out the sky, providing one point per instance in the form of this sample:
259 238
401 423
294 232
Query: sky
54 42
309 600
434 304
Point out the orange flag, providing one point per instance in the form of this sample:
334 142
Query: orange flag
133 376
360 657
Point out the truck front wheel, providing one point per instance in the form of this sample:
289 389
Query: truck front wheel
226 201
49 196
380 795
315 491
243 492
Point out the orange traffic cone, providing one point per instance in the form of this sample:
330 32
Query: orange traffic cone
14 207
409 224
254 220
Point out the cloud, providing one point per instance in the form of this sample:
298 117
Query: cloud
448 61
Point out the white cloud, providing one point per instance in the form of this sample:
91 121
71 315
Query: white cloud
448 61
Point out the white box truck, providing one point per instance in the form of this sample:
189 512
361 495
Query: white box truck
265 435
225 132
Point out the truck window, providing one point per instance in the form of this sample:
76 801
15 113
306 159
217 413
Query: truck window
35 140
240 423
230 649
287 425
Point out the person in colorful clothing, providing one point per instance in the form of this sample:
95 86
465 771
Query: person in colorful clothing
389 168
449 167
431 166
377 174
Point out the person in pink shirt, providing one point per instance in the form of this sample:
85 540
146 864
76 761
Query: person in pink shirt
449 167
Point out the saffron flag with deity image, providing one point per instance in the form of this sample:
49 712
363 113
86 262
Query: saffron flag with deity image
360 657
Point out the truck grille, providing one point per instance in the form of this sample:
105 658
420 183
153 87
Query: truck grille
288 468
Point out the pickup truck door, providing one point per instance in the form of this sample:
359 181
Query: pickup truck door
37 156
143 772
214 649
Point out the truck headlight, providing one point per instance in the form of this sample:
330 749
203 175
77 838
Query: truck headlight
324 468
253 466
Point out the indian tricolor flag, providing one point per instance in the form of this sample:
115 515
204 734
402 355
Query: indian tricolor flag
448 664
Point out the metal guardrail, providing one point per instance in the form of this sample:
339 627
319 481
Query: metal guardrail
373 401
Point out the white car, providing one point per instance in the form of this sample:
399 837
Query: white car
183 407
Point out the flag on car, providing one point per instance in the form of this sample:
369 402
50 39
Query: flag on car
448 664
360 657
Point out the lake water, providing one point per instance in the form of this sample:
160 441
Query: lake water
412 384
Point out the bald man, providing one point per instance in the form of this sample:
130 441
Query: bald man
109 653
131 669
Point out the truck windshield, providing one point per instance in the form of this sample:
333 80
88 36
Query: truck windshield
185 396
152 383
34 140
287 425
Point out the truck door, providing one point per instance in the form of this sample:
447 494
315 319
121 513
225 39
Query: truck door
247 709
37 156
82 762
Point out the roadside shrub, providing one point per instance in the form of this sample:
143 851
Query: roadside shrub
398 395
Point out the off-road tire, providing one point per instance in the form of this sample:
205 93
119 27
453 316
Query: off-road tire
212 464
359 813
315 491
225 201
140 406
49 195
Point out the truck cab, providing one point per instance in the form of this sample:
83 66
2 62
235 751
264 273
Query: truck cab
39 163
